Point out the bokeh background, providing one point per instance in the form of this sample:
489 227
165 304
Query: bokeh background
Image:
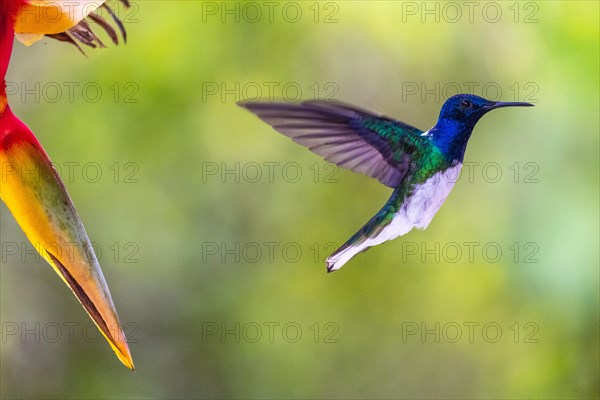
212 228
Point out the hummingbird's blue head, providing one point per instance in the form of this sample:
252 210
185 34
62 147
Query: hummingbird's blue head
466 108
457 119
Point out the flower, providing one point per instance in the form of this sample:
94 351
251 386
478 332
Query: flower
31 187
64 20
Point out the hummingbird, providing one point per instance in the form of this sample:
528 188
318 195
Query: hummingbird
421 166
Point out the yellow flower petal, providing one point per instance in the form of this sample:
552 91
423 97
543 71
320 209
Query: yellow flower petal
28 38
40 17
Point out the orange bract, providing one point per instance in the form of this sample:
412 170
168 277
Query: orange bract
32 189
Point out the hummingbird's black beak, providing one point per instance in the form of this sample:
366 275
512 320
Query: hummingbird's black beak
500 104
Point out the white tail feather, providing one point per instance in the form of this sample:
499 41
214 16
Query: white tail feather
399 226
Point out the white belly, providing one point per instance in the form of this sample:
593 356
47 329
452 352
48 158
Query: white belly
417 212
427 199
419 209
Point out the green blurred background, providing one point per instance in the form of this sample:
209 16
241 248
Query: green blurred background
220 278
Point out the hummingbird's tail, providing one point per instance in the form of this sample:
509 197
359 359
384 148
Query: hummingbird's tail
390 222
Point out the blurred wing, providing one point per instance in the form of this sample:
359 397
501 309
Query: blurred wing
348 136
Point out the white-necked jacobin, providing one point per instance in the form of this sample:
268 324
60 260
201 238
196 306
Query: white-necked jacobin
420 166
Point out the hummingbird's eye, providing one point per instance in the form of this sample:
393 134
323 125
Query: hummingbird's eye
465 104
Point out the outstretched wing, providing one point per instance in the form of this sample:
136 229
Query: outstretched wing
348 136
